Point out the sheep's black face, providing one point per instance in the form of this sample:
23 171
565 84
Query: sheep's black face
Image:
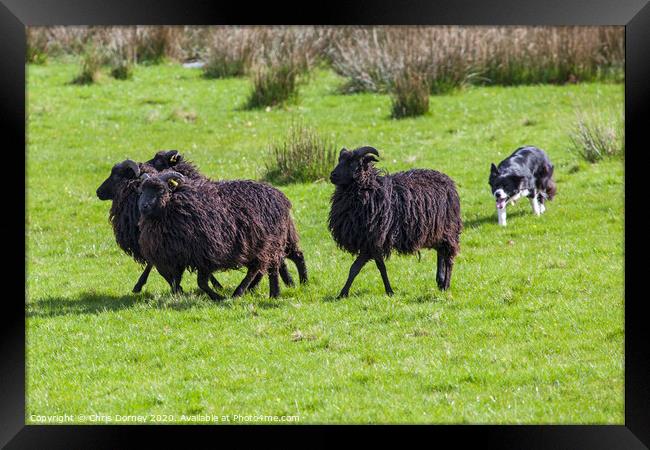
343 173
352 164
155 192
153 196
165 159
124 171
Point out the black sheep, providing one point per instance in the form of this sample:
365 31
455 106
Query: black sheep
205 226
122 187
172 159
372 214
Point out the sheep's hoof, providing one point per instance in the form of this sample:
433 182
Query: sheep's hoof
390 293
137 289
342 295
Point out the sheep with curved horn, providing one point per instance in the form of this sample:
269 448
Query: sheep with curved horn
373 214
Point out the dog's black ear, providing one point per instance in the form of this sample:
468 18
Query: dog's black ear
494 170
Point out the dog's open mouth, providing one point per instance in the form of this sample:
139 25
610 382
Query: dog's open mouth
501 203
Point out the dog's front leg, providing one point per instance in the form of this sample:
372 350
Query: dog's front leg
501 215
534 203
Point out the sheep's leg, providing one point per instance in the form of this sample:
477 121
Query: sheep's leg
174 280
274 284
356 267
255 281
202 279
445 265
250 275
449 264
143 279
441 270
299 260
384 275
177 282
215 283
285 275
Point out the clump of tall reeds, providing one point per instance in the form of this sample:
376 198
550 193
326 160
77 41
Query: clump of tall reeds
283 57
371 57
230 52
302 156
37 42
121 55
91 64
273 85
597 135
236 51
153 44
410 95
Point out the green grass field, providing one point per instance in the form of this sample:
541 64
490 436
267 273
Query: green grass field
531 330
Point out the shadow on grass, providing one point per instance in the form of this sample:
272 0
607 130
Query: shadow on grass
84 303
479 221
354 293
95 303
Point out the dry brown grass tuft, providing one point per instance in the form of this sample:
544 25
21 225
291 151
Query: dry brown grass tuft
370 58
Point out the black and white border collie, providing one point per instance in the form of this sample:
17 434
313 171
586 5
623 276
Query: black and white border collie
526 173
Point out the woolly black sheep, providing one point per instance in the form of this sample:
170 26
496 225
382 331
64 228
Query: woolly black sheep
122 187
371 214
172 159
206 226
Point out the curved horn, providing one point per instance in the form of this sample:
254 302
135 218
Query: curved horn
174 156
133 166
361 151
169 175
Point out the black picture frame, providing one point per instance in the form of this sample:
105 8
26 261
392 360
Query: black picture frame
15 15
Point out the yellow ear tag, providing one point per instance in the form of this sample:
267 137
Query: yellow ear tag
174 157
173 183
